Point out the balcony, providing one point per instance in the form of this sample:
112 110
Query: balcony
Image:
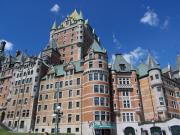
124 86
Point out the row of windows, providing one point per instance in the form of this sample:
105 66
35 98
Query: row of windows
16 123
24 113
156 77
21 91
100 64
20 101
91 56
59 94
101 101
69 118
101 116
70 106
101 89
124 80
98 76
128 117
60 84
53 130
27 80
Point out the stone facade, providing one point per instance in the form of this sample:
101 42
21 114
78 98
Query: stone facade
95 98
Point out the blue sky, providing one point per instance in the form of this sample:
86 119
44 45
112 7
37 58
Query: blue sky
129 27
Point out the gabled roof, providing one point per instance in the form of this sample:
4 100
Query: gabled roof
118 61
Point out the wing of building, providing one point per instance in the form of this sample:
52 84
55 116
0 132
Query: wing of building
95 98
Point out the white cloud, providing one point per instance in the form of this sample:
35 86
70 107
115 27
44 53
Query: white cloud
8 46
116 42
55 8
150 18
135 55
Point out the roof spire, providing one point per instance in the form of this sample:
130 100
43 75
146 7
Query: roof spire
80 17
54 26
151 62
178 61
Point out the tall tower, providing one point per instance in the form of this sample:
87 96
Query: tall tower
73 37
96 110
156 84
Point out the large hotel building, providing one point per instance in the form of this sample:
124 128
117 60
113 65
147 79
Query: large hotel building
95 97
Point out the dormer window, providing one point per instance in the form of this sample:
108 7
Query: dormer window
90 56
157 76
122 67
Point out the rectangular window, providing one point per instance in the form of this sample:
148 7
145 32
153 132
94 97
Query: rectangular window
101 77
100 64
90 77
56 85
151 78
97 116
125 93
45 107
95 76
106 90
38 119
78 81
90 64
101 88
66 83
77 117
70 105
103 116
96 88
126 103
102 101
69 118
68 130
161 100
77 104
78 92
158 88
44 119
70 82
70 93
22 124
157 76
61 84
96 100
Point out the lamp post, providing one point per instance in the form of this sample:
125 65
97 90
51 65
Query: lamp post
57 111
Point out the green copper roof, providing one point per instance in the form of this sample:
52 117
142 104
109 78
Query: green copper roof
96 47
142 69
118 61
59 69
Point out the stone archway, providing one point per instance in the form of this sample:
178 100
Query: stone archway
129 131
175 130
155 131
2 116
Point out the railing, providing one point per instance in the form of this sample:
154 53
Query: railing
124 86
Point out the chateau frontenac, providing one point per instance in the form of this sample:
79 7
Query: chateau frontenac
95 97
